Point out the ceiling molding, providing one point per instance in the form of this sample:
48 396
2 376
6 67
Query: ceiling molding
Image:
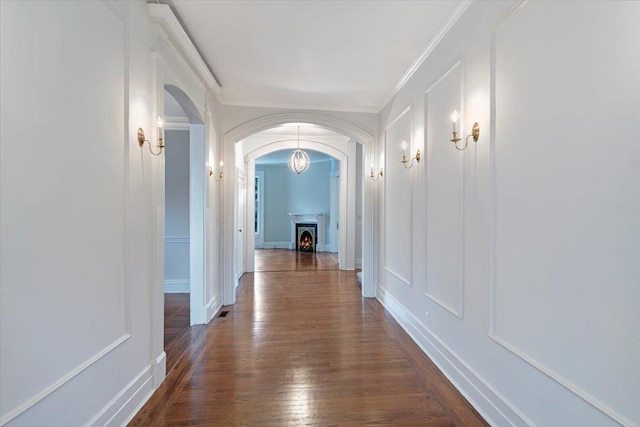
162 15
339 126
449 23
371 110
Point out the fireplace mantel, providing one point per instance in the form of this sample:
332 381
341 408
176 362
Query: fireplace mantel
311 218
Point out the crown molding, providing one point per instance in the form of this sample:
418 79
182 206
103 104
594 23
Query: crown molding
162 15
449 23
370 110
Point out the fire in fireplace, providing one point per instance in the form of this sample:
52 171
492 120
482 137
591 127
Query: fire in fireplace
306 241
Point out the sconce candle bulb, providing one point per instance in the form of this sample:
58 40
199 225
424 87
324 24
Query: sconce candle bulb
475 132
219 176
454 118
404 156
142 138
377 176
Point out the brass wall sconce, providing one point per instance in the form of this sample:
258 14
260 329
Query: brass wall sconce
475 133
376 176
142 138
404 156
219 176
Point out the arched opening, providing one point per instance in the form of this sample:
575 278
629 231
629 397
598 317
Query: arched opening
184 218
242 152
293 213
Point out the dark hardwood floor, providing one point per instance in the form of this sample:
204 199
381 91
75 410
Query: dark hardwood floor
303 347
176 326
286 260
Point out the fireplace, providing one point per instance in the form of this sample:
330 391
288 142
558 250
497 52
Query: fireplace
307 220
306 237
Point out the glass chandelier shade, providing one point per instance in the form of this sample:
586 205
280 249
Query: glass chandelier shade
298 159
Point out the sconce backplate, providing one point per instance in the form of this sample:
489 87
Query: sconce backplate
475 132
141 137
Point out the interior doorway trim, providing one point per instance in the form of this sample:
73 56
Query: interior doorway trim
346 249
251 127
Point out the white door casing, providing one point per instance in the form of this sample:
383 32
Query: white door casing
228 210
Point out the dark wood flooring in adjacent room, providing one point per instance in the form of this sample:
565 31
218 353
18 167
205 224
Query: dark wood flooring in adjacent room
176 325
304 348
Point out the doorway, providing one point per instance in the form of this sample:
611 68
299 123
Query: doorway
257 137
176 243
241 197
183 226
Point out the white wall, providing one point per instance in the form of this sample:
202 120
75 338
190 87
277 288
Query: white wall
176 244
79 211
514 264
286 192
360 175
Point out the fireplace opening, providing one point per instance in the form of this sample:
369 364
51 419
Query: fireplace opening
306 241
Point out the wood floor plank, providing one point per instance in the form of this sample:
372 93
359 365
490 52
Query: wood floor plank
302 347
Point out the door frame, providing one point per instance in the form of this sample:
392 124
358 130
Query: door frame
370 232
240 226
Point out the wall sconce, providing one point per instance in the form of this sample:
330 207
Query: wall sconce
377 176
475 132
404 156
142 139
220 175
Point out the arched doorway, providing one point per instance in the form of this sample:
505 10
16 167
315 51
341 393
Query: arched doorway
193 237
237 134
345 156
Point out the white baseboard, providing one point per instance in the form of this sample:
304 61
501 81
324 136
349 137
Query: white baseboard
357 263
181 286
493 406
123 407
213 307
159 369
277 245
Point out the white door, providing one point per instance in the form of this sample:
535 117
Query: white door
241 198
334 212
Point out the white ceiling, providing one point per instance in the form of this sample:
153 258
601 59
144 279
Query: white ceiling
332 55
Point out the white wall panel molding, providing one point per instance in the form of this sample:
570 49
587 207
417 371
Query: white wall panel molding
584 214
96 205
398 276
62 381
460 9
123 407
398 202
493 406
445 192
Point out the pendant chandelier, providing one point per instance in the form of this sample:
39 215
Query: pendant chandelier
299 160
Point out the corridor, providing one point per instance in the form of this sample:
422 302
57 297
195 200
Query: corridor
302 347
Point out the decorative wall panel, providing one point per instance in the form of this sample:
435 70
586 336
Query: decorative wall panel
398 201
566 229
63 262
445 192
